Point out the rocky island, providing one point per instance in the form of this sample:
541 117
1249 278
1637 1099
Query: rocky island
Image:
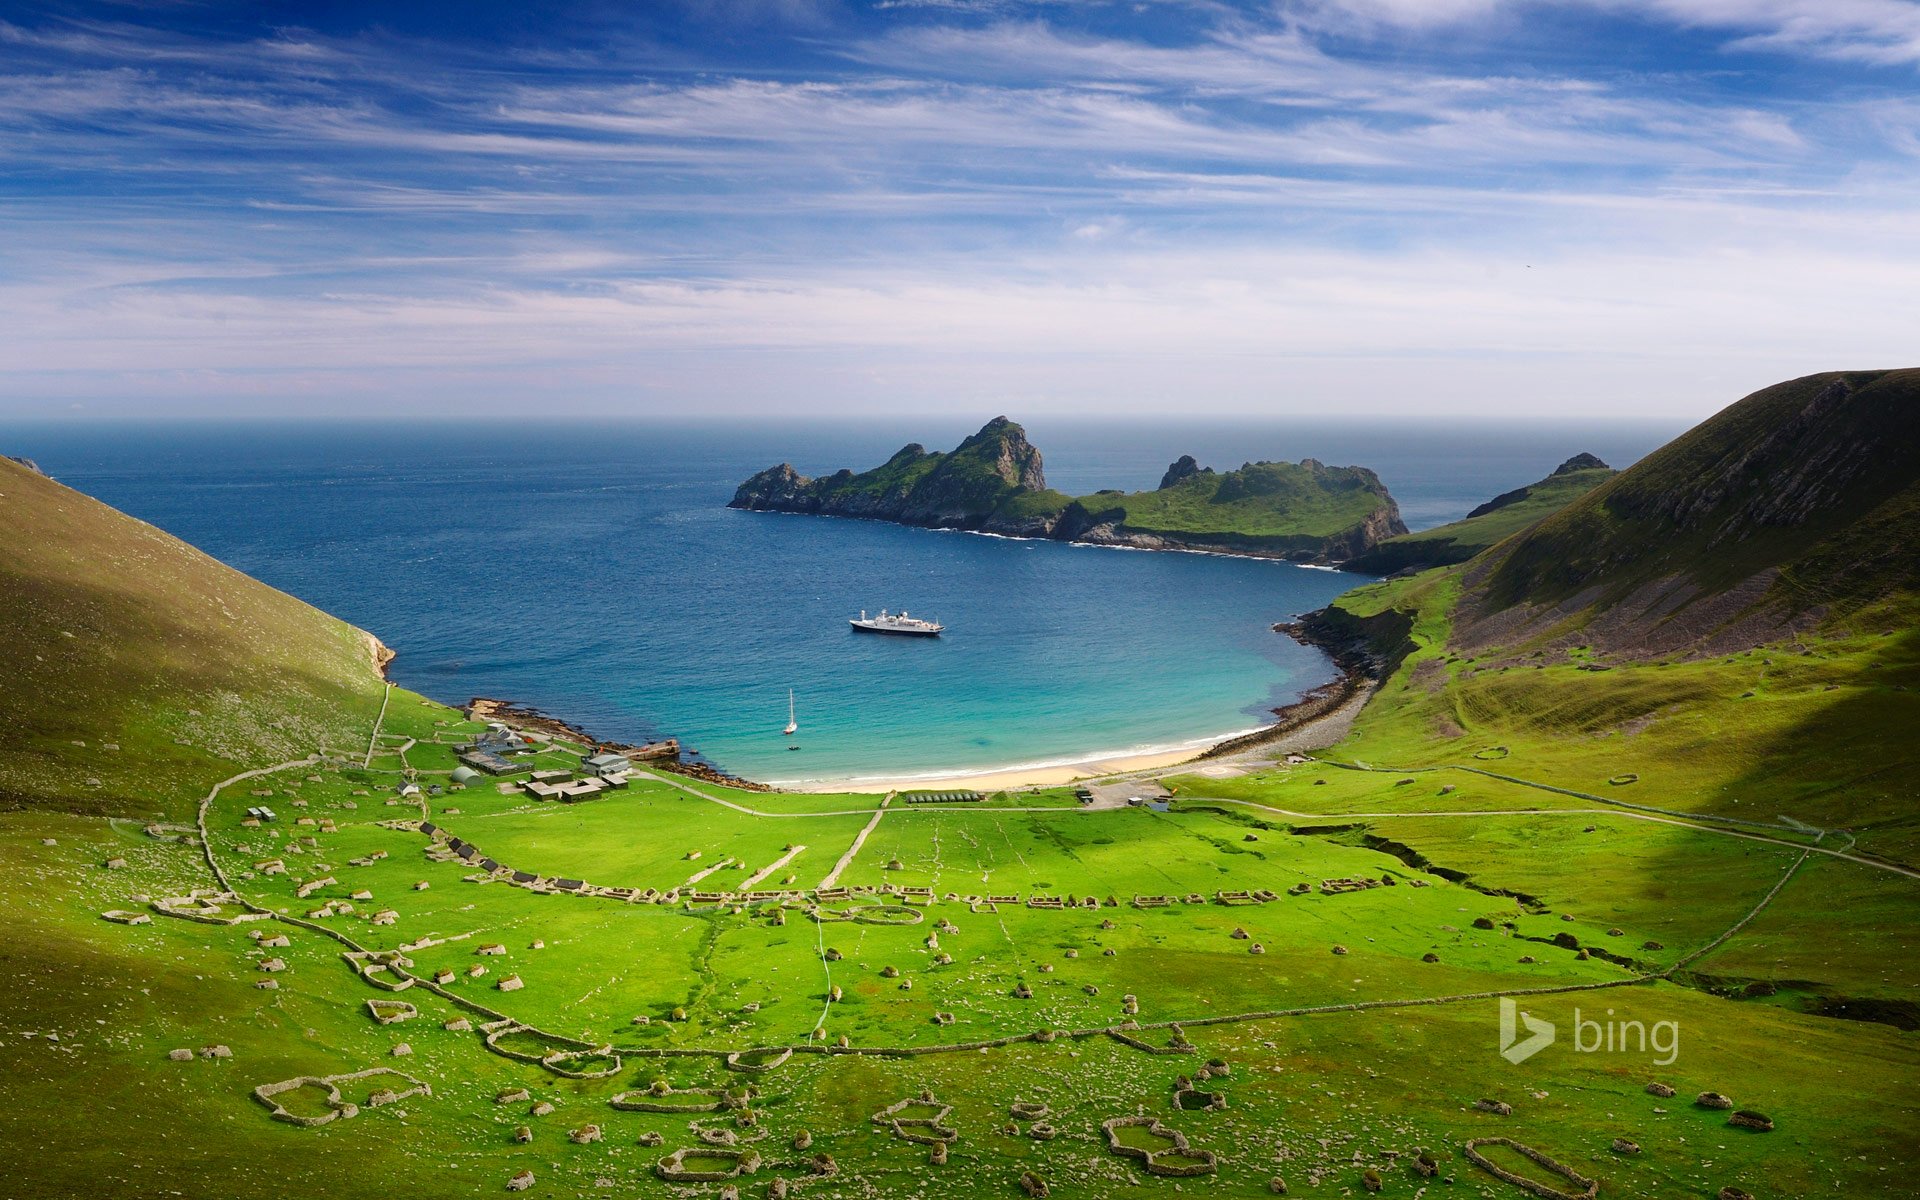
995 482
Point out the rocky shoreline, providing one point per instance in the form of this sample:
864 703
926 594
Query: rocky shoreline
1359 673
664 755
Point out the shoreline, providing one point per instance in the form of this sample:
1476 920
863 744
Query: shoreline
1206 549
1330 706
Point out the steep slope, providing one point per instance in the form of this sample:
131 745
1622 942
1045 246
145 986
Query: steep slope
1726 628
1794 505
1499 518
134 661
994 482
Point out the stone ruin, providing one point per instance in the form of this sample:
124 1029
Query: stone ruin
1589 1188
1033 1185
658 1098
1660 1089
1746 1118
1188 1097
391 1012
925 1130
337 1106
1177 1160
759 1059
1712 1100
1625 1146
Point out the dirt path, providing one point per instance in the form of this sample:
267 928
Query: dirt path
859 840
373 739
747 883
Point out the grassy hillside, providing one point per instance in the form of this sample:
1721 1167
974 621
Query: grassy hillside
1808 488
139 669
1492 522
1800 498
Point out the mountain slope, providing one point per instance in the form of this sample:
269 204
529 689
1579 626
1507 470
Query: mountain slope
994 482
1727 628
1499 518
1794 505
133 660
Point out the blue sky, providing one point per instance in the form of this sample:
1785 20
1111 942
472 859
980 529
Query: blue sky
1490 207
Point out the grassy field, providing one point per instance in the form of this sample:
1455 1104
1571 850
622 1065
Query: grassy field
1700 868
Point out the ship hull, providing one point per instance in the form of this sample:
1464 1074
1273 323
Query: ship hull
888 632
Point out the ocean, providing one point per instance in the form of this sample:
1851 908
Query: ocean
592 570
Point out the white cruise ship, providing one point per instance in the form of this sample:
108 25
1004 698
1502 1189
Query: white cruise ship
896 623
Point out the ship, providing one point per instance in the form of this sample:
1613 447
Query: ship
896 623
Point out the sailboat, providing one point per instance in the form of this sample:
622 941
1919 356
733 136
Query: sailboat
792 724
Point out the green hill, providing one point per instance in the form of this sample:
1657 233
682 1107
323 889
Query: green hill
1494 521
1794 505
994 482
134 661
1732 620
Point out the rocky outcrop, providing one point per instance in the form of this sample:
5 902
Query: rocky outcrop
1182 468
995 482
959 490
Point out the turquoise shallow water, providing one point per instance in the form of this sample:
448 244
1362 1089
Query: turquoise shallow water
594 572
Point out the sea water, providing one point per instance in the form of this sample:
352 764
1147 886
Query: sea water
592 570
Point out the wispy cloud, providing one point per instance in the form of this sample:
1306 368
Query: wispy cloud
1040 195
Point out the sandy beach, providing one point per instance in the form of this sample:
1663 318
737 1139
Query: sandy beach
1010 777
1312 726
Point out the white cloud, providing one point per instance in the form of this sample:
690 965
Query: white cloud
1883 32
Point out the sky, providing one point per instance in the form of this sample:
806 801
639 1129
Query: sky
739 208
